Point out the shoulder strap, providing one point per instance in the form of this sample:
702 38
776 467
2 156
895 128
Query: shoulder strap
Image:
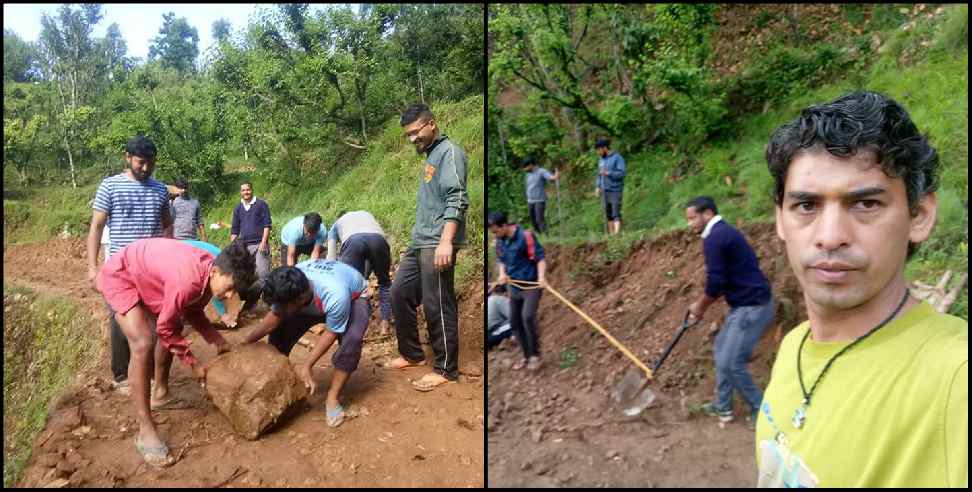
531 245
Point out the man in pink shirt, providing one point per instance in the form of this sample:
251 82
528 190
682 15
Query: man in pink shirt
171 281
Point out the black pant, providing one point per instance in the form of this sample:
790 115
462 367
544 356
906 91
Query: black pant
121 354
418 282
301 249
348 354
366 252
536 216
523 319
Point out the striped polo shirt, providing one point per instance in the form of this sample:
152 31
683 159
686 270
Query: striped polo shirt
134 209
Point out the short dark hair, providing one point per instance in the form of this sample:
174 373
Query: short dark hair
703 203
181 182
140 146
284 284
497 219
247 183
602 142
237 261
312 222
528 160
862 120
415 112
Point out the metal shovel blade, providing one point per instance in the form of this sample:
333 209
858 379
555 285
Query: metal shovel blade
641 401
632 393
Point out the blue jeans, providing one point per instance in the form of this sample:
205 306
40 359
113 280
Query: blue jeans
733 347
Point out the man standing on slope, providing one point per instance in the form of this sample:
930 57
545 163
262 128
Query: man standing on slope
425 275
732 270
135 206
610 180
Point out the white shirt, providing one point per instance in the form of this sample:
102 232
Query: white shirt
708 227
247 206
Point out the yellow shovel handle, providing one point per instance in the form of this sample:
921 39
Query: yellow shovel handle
595 324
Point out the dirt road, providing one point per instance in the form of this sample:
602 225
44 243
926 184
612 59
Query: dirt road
400 437
559 427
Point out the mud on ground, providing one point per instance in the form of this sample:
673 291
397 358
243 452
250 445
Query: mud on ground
559 427
397 437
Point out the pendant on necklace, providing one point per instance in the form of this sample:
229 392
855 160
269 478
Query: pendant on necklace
800 416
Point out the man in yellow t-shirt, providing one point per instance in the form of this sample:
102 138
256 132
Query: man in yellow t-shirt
872 390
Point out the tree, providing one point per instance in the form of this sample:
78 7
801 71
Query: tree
221 30
176 45
115 65
69 53
20 59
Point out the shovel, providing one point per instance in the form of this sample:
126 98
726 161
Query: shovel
632 392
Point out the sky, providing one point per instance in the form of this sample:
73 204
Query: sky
139 23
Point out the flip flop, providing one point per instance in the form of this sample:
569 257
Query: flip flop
426 387
334 417
157 457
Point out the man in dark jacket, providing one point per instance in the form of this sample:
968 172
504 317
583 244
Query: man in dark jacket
251 223
425 275
610 180
732 270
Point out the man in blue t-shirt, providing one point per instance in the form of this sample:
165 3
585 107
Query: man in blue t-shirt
135 206
302 235
732 270
520 257
536 180
611 171
308 294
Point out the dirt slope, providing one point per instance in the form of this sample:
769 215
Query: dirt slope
559 427
400 437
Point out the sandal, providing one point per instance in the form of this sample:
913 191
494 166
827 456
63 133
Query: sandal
157 457
334 417
425 385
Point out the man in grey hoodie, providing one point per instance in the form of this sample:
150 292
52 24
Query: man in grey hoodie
425 275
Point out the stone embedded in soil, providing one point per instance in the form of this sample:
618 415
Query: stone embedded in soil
49 460
253 386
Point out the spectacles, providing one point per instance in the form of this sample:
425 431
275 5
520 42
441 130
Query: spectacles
417 130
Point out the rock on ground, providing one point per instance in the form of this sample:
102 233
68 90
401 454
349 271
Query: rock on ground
253 386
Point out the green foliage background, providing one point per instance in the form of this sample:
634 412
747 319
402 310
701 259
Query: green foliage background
711 137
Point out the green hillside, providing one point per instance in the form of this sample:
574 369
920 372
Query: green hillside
384 181
922 63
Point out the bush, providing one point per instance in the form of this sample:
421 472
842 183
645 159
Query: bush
782 72
953 35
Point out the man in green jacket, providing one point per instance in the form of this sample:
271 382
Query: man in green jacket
425 275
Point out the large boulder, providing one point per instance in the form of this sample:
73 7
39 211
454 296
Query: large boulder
253 386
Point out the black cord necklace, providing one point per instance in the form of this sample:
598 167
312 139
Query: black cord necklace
800 416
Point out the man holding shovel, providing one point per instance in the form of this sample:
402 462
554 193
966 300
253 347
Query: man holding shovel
731 270
610 180
536 180
520 257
